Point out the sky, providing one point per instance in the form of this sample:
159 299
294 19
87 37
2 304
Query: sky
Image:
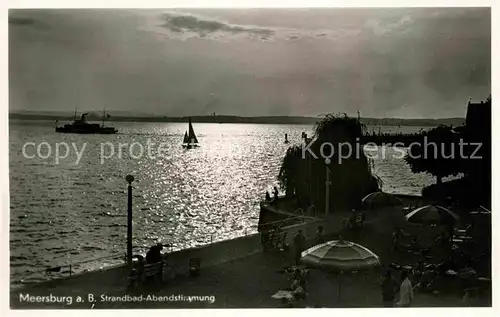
384 62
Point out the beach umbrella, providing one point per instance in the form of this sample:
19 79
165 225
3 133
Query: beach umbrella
432 214
481 211
340 256
380 199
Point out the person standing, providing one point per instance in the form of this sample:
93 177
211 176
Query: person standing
275 193
268 197
299 242
319 236
389 288
405 291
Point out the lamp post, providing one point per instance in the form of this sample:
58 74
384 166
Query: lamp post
129 179
327 188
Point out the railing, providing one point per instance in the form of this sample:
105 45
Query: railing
286 221
299 211
485 209
48 272
312 210
64 270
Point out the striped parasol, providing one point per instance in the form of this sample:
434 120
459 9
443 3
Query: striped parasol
340 255
380 199
432 214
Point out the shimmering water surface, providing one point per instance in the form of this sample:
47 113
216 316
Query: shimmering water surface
67 212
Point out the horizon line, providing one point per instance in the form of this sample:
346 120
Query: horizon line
123 114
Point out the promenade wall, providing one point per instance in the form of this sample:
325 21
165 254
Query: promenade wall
209 255
229 250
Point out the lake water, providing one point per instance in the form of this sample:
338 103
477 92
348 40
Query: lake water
71 211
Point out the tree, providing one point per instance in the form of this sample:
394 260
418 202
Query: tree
304 174
437 153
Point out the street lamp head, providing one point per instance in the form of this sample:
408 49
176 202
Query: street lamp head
129 179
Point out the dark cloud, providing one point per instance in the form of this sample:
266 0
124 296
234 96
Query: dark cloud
383 62
21 21
203 26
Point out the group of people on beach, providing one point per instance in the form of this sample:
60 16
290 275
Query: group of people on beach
390 286
395 292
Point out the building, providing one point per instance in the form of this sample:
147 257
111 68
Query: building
477 134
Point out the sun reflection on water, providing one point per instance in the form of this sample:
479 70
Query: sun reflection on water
64 212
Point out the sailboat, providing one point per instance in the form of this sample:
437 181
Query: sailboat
190 141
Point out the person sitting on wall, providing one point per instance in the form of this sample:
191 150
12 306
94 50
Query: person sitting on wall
353 219
397 238
154 254
264 237
278 238
319 236
299 242
268 197
282 246
298 289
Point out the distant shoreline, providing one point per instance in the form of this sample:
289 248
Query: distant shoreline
238 119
